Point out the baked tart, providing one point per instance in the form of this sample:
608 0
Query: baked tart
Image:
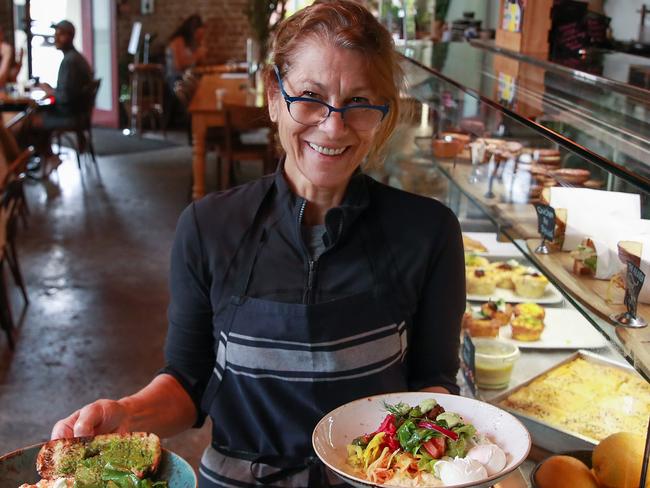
526 328
480 281
480 325
498 310
504 270
529 310
530 284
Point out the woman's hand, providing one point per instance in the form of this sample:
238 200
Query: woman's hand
99 417
162 407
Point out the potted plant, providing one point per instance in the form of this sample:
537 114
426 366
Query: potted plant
263 16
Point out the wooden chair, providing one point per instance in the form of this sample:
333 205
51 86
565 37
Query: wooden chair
241 120
15 165
83 141
9 205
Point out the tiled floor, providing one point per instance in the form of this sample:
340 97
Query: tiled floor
95 258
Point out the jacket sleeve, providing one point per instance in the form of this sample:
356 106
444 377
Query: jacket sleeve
189 352
435 338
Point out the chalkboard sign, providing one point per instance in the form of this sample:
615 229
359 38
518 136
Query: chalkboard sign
467 363
633 284
545 221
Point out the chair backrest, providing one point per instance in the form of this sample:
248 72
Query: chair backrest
88 98
241 118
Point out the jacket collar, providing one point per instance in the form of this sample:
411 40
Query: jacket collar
338 220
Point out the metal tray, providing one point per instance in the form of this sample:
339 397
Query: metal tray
545 435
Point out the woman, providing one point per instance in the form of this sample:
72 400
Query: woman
185 50
9 65
308 288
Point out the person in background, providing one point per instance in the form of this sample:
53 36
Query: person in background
185 50
9 64
74 78
308 288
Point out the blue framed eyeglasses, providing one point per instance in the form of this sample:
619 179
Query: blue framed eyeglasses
309 111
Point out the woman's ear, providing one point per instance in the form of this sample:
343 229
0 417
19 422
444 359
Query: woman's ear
273 106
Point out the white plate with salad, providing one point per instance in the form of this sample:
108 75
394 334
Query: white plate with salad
419 439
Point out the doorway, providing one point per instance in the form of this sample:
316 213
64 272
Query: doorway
95 33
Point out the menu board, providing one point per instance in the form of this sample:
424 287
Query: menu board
634 282
545 221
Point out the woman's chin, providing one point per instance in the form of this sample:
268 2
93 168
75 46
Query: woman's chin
327 179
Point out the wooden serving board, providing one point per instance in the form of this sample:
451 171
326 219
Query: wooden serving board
591 293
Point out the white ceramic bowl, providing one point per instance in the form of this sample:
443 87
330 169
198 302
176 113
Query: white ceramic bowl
339 427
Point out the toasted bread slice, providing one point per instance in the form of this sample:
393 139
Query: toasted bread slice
58 483
59 458
139 452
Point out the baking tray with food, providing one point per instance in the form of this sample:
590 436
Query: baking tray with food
579 401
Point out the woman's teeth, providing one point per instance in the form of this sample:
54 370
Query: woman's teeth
328 151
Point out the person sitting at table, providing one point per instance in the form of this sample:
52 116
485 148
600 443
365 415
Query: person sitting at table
9 64
185 50
75 75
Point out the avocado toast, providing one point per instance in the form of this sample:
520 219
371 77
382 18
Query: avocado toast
103 461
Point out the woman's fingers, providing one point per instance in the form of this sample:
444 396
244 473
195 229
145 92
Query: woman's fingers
64 428
99 417
90 418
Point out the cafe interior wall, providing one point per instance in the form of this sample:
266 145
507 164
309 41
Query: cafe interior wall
6 18
226 25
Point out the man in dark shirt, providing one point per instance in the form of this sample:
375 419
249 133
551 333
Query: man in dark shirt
73 81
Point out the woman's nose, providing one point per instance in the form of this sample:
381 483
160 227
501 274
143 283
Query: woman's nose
333 125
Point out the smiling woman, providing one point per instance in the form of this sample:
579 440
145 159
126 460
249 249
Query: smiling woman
309 288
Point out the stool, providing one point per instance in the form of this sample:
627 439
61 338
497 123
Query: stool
147 83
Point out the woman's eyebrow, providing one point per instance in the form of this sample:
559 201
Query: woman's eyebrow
362 89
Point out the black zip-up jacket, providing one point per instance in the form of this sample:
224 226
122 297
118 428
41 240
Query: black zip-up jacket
423 237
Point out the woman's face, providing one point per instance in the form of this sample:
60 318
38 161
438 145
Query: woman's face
199 34
338 77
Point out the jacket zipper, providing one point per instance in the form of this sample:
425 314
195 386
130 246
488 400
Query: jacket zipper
307 296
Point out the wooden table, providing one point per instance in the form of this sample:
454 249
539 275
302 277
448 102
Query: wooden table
204 112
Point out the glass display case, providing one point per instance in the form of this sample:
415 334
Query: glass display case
491 138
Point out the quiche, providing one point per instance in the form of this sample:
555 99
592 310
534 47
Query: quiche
586 398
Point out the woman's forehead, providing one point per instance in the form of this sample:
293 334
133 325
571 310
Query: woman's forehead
329 67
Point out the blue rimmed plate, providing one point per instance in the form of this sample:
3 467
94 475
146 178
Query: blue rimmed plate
19 467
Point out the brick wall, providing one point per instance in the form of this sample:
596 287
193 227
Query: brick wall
226 25
7 18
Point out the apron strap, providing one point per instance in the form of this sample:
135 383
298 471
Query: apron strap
250 248
287 466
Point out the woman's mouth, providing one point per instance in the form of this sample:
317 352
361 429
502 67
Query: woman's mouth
327 151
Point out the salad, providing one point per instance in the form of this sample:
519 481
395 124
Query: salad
424 446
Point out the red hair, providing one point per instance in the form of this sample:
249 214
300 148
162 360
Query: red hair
348 25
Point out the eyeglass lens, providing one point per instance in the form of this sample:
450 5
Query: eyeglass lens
314 113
